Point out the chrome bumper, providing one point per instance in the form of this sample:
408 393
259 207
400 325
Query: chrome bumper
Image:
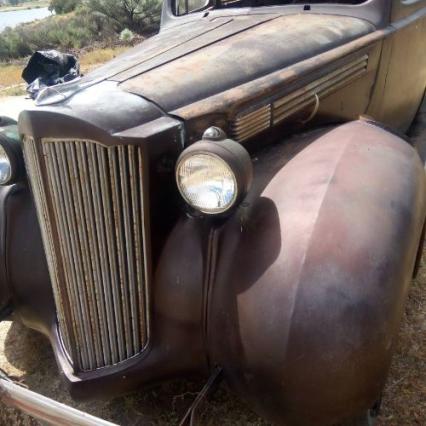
42 408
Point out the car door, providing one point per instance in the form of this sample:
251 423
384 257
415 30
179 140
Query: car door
401 81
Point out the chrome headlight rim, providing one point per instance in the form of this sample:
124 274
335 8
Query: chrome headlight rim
6 168
234 156
215 211
13 152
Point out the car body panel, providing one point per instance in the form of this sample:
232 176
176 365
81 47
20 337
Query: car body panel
311 275
402 70
5 293
404 8
377 12
256 52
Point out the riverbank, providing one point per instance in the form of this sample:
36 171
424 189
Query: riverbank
9 20
36 4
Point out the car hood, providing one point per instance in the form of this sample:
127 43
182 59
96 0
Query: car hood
198 59
226 53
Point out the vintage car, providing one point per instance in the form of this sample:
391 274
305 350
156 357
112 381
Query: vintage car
234 198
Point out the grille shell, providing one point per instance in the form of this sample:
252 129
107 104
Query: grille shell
90 205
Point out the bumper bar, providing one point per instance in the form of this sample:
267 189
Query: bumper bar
43 408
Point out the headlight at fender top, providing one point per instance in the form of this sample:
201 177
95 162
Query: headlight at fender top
207 183
5 167
213 176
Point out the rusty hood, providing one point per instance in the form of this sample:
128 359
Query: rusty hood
194 61
198 59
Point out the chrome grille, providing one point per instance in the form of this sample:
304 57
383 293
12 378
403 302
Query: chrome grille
97 209
250 123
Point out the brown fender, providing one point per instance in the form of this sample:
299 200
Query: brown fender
311 275
5 296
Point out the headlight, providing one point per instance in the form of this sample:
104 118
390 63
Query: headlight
212 177
11 161
5 167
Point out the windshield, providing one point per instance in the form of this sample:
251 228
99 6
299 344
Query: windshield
183 7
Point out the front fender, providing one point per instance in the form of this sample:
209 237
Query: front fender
5 293
312 273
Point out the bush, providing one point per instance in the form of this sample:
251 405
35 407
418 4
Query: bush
63 6
92 21
56 32
126 35
140 16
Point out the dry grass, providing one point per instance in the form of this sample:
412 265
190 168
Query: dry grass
18 90
404 400
94 58
11 83
10 75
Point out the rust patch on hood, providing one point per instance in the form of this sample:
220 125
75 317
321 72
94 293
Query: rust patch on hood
173 43
231 58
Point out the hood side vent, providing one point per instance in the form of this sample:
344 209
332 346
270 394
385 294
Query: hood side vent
249 124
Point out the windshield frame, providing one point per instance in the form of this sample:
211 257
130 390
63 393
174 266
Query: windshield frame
377 12
374 7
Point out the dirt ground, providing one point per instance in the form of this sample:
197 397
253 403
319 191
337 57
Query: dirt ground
11 106
28 358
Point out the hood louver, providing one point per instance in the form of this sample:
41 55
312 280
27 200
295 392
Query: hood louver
249 123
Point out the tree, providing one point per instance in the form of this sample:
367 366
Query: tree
139 16
63 6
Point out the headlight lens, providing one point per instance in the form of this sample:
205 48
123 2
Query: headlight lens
5 167
214 176
207 183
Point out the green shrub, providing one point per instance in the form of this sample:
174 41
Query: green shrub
126 35
140 16
92 21
63 6
66 32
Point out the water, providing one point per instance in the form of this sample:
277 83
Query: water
11 19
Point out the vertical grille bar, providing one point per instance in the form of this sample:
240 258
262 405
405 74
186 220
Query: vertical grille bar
70 169
118 211
135 189
68 251
111 248
96 196
100 231
82 170
140 232
128 233
33 168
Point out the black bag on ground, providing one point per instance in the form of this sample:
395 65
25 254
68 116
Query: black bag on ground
47 68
